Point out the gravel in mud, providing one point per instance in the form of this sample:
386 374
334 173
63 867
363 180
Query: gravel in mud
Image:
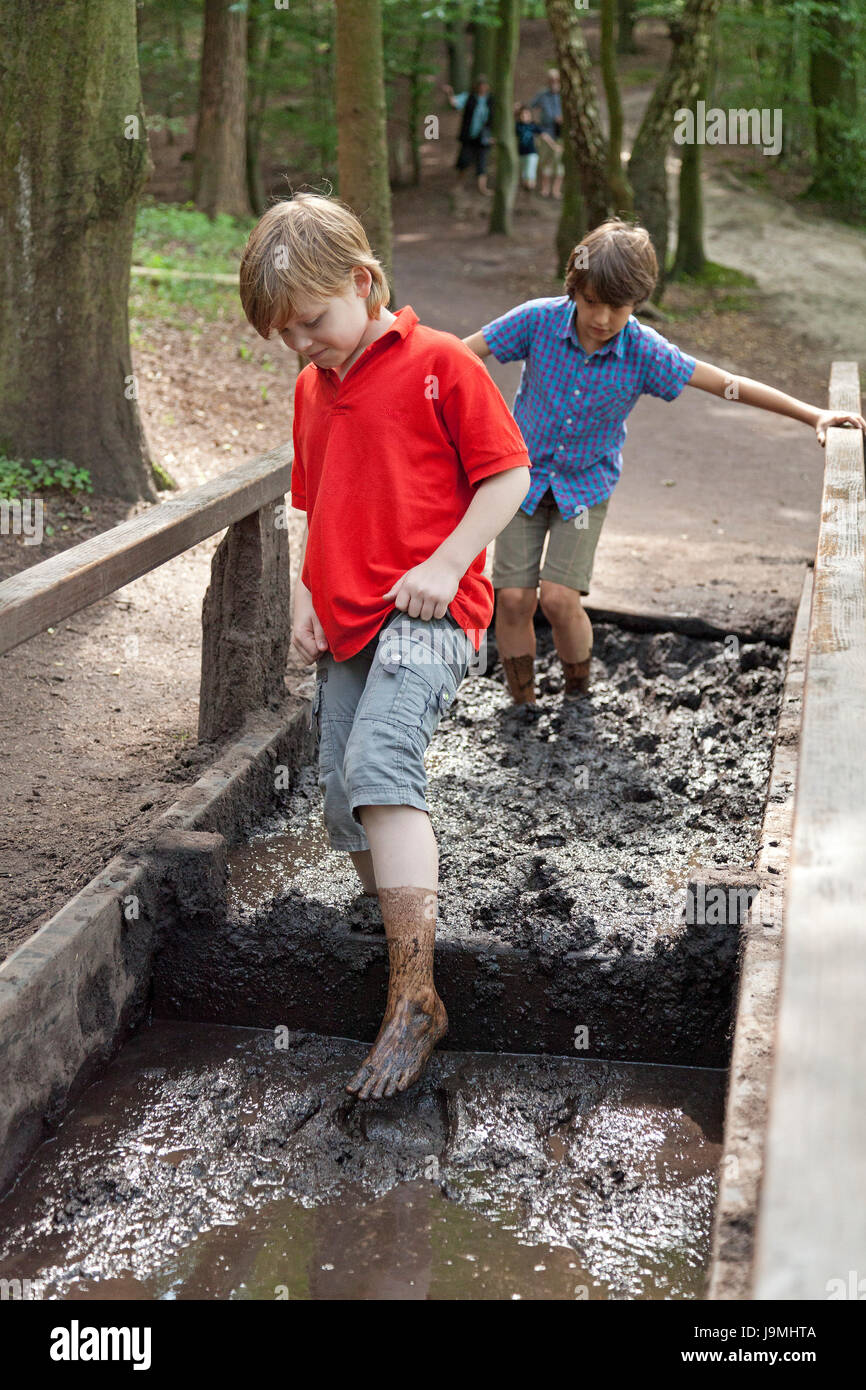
214 1162
570 835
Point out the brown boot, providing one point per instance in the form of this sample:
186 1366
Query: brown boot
520 675
576 676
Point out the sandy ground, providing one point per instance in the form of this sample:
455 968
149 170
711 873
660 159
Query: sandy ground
716 513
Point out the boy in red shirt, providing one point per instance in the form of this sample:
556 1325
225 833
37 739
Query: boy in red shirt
408 464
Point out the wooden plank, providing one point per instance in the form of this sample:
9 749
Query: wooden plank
48 592
152 272
812 1215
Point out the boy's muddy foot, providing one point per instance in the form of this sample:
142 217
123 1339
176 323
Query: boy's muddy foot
520 677
576 676
408 1035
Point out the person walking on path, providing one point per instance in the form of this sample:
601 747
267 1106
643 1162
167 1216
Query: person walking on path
475 134
548 104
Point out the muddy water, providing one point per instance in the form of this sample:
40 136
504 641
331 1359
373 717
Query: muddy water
227 1163
578 831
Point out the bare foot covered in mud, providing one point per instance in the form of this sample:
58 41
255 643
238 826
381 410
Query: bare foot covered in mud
400 1053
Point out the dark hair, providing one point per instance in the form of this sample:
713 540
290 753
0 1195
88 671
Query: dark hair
617 261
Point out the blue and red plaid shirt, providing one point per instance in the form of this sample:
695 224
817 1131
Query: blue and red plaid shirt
571 406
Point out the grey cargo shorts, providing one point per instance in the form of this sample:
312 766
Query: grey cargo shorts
375 715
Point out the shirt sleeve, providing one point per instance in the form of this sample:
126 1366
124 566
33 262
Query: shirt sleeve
299 478
460 100
509 337
666 368
480 425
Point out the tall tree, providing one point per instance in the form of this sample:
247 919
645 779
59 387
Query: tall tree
617 181
625 40
73 158
362 148
581 125
690 32
833 89
220 167
504 58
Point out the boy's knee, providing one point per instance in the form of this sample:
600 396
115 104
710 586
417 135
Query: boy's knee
516 604
559 603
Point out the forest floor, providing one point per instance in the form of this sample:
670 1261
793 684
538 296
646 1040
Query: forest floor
716 514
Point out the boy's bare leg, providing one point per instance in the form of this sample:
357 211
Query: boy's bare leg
406 862
515 641
363 861
572 633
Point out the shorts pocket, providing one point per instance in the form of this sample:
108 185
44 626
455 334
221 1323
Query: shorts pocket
324 738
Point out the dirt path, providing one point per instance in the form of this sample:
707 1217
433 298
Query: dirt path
716 513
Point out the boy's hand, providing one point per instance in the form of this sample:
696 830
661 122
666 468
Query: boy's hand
308 637
834 419
426 591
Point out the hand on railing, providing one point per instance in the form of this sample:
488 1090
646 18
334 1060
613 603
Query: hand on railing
837 419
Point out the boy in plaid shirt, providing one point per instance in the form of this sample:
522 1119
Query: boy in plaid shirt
586 362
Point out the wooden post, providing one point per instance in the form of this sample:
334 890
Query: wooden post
811 1239
246 623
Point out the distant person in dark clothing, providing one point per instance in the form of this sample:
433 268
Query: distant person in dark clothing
548 104
475 134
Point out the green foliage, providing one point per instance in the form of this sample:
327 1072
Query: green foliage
18 477
171 237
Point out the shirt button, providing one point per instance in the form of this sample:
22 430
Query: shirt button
561 447
553 475
569 422
577 393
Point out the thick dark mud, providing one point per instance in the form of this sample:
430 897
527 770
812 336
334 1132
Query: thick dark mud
566 844
225 1163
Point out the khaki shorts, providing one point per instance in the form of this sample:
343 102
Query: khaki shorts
550 161
570 549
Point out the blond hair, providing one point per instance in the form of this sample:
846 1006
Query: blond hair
302 248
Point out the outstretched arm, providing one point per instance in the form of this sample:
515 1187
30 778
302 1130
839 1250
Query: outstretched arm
706 377
426 590
476 342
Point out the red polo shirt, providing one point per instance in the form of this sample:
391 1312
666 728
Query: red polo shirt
386 463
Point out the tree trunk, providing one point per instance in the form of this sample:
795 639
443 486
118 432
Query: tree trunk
572 226
458 61
833 90
581 125
617 181
504 58
678 88
259 40
690 256
625 42
362 148
219 178
483 49
73 158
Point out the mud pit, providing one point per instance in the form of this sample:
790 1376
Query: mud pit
566 845
213 1162
209 1163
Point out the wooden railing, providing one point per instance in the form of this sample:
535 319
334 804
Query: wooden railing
246 624
811 1237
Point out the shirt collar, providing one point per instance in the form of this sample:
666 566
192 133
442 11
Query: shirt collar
405 320
614 348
